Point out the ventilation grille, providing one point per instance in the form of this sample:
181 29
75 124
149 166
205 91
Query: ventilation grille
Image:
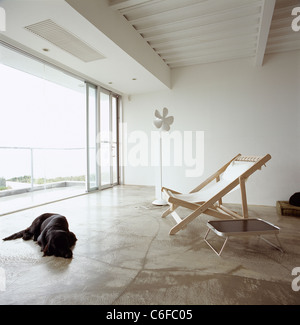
55 34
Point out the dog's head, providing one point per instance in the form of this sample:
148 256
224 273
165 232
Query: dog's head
59 244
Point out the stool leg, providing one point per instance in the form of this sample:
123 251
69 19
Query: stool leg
210 245
275 246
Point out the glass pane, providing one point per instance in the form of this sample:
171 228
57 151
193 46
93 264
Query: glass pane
105 139
114 141
92 137
39 147
14 176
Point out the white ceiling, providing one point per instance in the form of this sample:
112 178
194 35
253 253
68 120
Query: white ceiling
114 72
146 39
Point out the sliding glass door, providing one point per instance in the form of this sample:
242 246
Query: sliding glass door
109 139
102 139
42 132
114 139
59 134
92 182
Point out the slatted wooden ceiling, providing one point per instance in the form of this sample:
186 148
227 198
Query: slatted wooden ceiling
281 37
187 32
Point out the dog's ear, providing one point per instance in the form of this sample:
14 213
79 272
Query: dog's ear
48 251
72 239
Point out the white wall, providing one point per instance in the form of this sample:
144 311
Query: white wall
241 109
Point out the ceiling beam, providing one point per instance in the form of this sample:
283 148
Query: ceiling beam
121 4
116 28
264 29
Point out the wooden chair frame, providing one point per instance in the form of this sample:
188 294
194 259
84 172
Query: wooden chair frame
213 206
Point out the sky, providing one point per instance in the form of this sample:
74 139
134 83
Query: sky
37 113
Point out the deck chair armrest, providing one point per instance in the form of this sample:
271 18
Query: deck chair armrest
183 203
165 189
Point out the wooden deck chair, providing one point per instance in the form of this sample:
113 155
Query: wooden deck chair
207 197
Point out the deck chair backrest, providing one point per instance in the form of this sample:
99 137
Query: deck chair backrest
236 169
239 166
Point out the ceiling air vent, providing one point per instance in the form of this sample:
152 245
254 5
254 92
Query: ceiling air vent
55 34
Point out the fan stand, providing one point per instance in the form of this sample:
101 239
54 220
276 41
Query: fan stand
160 201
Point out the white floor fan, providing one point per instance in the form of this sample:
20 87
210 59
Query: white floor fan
161 122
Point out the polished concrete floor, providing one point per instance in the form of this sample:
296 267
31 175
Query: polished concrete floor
18 202
124 255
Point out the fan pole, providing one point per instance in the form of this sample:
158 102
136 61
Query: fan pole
160 200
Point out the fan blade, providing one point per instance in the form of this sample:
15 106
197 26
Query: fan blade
169 120
157 114
165 112
157 123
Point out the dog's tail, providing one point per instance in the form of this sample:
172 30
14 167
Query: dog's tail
19 234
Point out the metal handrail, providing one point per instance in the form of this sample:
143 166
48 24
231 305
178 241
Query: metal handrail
31 155
42 148
32 149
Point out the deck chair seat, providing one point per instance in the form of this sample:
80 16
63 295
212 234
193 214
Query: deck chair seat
203 195
207 197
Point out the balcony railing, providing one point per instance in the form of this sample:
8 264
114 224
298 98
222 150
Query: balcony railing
25 169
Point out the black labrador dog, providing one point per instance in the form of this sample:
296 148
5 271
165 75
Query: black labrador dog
51 231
